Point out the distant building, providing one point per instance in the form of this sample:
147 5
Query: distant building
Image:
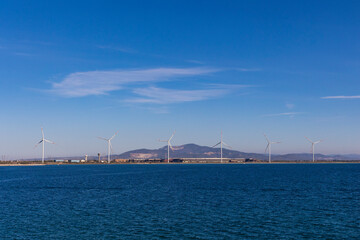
143 155
250 160
176 160
121 160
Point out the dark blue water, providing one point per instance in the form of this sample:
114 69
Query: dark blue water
278 201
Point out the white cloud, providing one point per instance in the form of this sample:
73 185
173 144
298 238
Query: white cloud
166 96
291 114
195 61
82 84
341 97
24 54
229 86
248 69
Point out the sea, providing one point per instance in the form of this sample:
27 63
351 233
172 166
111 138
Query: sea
180 201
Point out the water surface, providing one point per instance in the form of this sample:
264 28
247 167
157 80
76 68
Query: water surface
253 201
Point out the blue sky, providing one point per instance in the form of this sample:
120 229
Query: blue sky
146 68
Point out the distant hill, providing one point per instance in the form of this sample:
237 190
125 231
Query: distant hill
196 151
187 151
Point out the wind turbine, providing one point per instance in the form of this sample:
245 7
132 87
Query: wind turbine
109 144
268 147
221 146
43 140
168 145
313 147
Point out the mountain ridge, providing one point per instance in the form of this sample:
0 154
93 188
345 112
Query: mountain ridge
192 150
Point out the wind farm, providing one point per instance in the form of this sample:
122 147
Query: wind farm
179 119
220 153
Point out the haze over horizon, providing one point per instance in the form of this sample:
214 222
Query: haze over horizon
83 69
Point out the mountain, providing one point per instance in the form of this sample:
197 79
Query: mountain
185 151
196 151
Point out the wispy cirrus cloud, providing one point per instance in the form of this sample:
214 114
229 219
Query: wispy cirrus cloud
117 49
342 97
166 96
229 86
290 114
81 84
24 54
195 61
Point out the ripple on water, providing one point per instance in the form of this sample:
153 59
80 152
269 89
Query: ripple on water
286 201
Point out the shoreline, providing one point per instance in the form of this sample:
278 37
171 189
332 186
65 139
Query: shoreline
176 163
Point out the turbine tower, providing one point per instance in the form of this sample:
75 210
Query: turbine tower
268 147
43 140
168 145
221 146
109 145
313 147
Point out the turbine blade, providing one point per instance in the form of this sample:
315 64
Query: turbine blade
227 145
38 143
308 139
172 136
49 141
42 132
216 144
318 142
267 147
114 135
267 139
103 138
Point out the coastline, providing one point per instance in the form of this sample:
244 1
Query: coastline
176 163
